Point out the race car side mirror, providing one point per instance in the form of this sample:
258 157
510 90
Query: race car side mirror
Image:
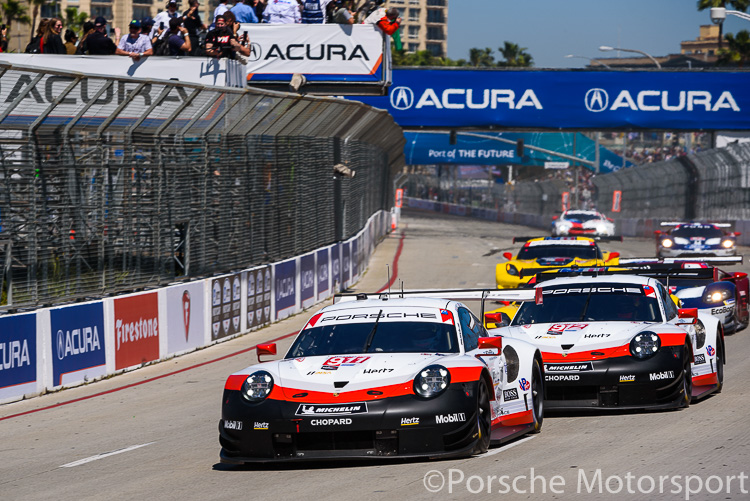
613 255
687 316
737 233
739 275
554 218
491 346
496 318
508 255
266 349
657 232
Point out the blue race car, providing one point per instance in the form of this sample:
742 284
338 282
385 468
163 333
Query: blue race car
696 239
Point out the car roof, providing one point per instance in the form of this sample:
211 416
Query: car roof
589 280
579 241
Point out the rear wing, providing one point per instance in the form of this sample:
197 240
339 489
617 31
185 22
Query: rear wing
711 260
506 295
617 238
658 271
677 223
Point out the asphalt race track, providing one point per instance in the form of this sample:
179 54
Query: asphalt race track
153 433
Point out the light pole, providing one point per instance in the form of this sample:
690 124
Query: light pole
606 48
590 59
719 14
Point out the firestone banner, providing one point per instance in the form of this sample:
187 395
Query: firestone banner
136 330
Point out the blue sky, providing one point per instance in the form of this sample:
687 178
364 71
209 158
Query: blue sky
551 29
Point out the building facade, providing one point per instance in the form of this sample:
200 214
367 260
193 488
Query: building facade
424 25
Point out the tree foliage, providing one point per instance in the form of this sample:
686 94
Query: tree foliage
514 56
737 51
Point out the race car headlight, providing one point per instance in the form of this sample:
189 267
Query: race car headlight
257 386
432 381
645 345
727 244
511 269
713 241
716 295
681 241
666 242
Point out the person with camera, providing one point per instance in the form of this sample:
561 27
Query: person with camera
135 44
191 20
162 18
222 42
177 38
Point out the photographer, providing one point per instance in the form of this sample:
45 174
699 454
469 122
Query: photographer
191 19
163 17
177 38
221 41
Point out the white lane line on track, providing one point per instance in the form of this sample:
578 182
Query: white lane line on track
504 448
104 455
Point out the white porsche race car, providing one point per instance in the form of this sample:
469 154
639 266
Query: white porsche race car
582 223
618 341
383 376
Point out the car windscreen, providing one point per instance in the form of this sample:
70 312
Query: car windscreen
569 251
600 302
386 337
697 231
581 217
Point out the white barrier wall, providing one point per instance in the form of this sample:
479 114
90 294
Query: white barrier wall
69 345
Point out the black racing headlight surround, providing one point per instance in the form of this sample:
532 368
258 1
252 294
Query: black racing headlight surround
511 269
432 381
257 386
644 345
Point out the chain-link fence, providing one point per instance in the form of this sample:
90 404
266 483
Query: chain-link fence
713 184
115 184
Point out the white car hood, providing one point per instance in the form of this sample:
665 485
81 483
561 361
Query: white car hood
358 371
583 336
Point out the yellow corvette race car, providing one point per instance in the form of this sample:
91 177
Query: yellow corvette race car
550 253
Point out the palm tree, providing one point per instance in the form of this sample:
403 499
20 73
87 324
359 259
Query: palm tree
481 57
35 4
740 5
74 19
14 11
515 56
737 51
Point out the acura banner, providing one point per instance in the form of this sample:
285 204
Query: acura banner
328 51
545 99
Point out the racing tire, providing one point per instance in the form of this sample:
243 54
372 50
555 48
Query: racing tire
537 397
719 365
687 376
484 419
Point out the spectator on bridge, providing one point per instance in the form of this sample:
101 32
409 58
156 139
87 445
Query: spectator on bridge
4 39
161 21
51 43
259 6
98 43
244 12
221 41
390 22
343 12
282 12
374 12
191 19
70 41
135 44
86 30
219 11
314 11
177 38
34 45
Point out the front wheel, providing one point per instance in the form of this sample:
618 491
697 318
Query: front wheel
687 377
719 365
484 419
537 396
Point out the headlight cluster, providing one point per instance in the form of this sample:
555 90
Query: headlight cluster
512 270
257 386
645 344
681 241
716 295
666 242
564 227
432 381
727 244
